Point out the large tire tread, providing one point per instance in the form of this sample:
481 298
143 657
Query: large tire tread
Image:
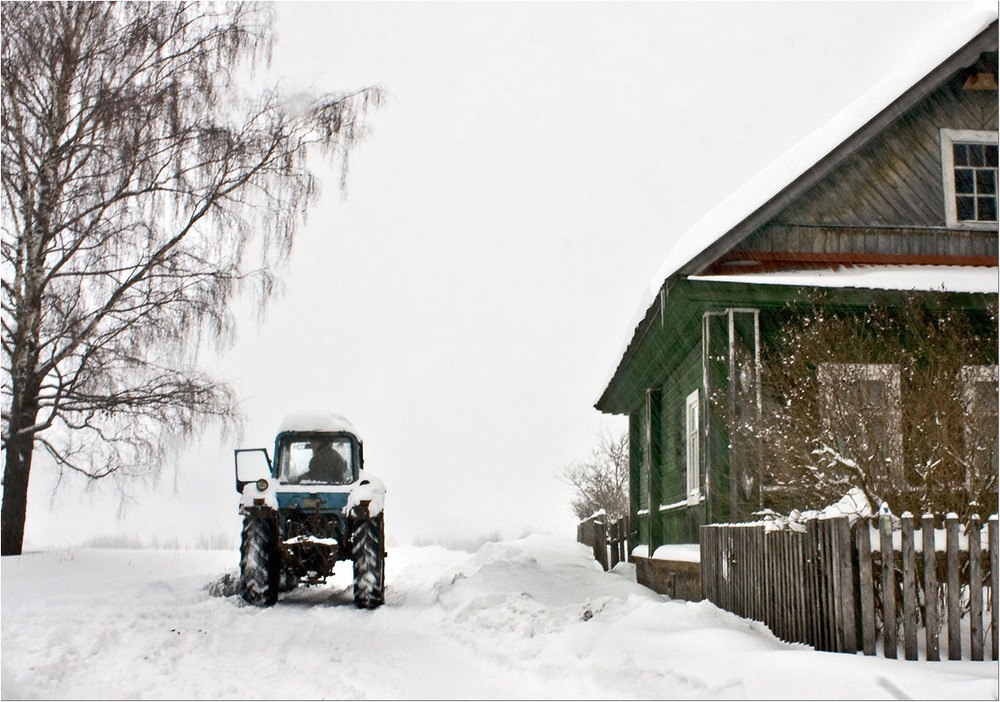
260 560
368 554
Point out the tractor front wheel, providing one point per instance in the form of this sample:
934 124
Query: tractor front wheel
260 559
368 554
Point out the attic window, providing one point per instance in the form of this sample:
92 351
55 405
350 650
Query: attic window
969 159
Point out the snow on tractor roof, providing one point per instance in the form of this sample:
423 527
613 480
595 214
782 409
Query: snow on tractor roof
316 420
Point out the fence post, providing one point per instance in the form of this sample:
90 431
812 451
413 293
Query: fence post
784 571
601 543
975 589
623 551
798 590
848 608
715 564
994 583
954 589
583 532
817 582
889 641
768 572
931 614
613 544
827 574
705 556
866 587
736 569
836 605
725 572
909 590
760 586
619 555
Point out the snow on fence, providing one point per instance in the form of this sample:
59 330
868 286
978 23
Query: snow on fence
608 538
845 588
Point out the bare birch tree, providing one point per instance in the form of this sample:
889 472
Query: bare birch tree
142 193
601 480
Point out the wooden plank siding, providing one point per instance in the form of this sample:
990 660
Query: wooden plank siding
679 523
637 476
654 403
979 51
667 335
886 199
895 180
668 363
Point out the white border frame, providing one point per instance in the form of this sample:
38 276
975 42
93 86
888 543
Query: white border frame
969 376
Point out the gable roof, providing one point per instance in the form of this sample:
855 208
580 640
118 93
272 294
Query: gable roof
804 165
812 159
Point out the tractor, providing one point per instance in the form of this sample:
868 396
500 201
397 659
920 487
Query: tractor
310 507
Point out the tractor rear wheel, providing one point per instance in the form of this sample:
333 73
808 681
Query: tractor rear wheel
260 560
368 554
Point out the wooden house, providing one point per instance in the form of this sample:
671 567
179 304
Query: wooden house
893 200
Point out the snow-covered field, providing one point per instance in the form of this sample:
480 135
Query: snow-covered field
534 618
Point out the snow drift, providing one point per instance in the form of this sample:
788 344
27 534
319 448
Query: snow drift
535 618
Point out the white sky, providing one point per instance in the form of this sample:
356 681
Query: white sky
530 171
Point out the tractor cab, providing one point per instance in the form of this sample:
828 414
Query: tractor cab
310 450
317 459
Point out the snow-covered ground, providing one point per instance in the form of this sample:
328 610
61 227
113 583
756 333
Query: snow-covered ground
534 618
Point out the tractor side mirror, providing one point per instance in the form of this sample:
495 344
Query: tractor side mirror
251 465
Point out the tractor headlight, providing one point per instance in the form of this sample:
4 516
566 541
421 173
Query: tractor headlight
262 485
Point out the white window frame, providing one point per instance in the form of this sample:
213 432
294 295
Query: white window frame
970 375
975 374
692 447
948 138
834 375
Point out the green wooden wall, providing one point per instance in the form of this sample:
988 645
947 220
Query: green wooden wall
667 365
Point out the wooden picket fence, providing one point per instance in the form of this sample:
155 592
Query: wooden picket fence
839 588
608 538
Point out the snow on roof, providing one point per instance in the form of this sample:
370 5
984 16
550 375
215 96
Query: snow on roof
315 420
930 278
793 163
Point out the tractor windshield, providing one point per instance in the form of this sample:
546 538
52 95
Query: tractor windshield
316 461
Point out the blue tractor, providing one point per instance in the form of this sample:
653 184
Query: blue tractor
309 508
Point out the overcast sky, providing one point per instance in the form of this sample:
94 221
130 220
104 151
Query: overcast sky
467 298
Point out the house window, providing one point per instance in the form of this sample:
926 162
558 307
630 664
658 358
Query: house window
979 395
693 462
861 413
969 159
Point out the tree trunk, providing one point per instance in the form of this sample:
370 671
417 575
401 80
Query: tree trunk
25 375
19 449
